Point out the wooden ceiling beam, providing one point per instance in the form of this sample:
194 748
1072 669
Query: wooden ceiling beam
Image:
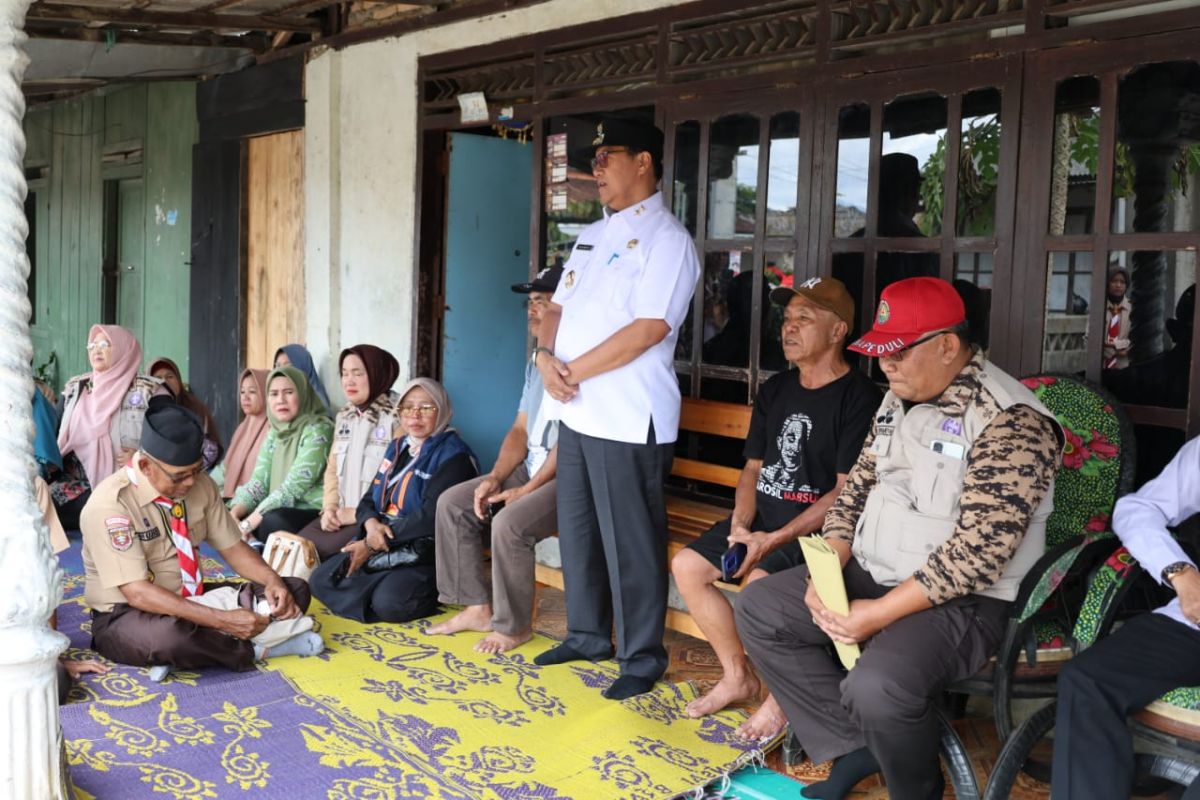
252 43
187 20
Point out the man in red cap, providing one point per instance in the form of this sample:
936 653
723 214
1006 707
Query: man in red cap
939 520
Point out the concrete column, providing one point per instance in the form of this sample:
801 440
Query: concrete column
31 766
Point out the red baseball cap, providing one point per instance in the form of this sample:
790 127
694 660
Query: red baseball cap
908 310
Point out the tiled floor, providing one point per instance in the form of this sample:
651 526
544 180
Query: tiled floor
692 659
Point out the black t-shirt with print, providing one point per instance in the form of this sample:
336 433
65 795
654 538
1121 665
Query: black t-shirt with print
805 437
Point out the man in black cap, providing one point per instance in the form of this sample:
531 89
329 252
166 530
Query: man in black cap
522 481
606 354
142 529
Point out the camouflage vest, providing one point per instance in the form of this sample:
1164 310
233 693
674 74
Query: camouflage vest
920 462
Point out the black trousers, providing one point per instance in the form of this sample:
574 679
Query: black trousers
886 701
288 520
612 533
1093 748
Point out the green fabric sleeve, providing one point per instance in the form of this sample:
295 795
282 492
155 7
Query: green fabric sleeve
304 486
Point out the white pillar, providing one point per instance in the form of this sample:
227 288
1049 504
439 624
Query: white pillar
30 580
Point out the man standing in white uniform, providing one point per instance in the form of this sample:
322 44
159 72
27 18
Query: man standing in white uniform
606 353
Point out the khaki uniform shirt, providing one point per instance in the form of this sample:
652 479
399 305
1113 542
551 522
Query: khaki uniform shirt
127 538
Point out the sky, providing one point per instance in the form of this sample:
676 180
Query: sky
852 171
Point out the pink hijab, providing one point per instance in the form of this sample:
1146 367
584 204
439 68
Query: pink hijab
87 432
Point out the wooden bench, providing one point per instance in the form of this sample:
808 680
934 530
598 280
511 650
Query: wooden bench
687 518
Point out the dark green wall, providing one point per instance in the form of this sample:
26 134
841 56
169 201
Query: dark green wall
75 146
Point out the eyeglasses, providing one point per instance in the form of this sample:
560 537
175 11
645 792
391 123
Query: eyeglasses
100 345
601 159
900 355
412 411
176 477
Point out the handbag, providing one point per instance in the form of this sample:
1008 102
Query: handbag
414 552
291 556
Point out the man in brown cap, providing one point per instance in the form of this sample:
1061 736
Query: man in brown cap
806 430
142 530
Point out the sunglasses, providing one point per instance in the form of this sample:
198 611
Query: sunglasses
600 160
899 355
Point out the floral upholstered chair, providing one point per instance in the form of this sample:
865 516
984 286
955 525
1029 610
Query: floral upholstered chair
1097 468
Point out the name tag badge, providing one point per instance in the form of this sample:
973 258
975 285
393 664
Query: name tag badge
948 449
147 535
583 247
881 445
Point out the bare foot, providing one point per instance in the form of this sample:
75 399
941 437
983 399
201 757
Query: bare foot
471 618
764 724
496 642
728 690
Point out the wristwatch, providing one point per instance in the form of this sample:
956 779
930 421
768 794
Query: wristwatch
533 356
244 526
1171 571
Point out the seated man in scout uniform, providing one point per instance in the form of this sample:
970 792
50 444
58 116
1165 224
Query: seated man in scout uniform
142 529
806 432
939 520
1148 656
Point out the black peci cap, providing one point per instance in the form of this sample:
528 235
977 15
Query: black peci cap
172 434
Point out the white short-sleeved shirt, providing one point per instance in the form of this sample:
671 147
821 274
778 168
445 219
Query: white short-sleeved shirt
541 433
639 263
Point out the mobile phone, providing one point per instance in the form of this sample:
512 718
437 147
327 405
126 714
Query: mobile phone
731 562
493 509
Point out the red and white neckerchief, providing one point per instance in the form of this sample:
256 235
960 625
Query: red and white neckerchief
189 566
1114 330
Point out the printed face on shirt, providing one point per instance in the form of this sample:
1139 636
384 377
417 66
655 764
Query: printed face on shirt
283 399
809 331
621 178
418 414
791 440
168 376
251 401
100 353
535 307
354 380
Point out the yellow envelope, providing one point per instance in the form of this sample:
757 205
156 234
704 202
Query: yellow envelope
825 567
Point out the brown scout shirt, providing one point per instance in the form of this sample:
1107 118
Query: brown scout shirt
127 538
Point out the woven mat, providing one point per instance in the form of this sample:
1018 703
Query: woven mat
386 712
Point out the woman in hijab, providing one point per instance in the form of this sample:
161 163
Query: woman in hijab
238 466
387 573
362 432
102 417
168 372
297 355
284 491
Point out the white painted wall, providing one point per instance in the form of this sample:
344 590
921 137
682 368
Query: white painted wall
360 154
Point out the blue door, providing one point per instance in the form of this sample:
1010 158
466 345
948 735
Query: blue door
487 250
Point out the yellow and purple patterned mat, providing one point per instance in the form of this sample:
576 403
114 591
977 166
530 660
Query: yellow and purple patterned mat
386 713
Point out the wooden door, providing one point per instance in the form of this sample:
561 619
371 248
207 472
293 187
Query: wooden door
274 245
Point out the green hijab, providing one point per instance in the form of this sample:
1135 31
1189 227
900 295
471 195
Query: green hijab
288 434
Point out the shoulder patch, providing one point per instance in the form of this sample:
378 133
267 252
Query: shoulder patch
117 522
121 539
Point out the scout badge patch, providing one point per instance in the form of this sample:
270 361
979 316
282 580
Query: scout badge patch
120 533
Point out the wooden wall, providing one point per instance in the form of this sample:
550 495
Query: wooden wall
75 146
274 244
